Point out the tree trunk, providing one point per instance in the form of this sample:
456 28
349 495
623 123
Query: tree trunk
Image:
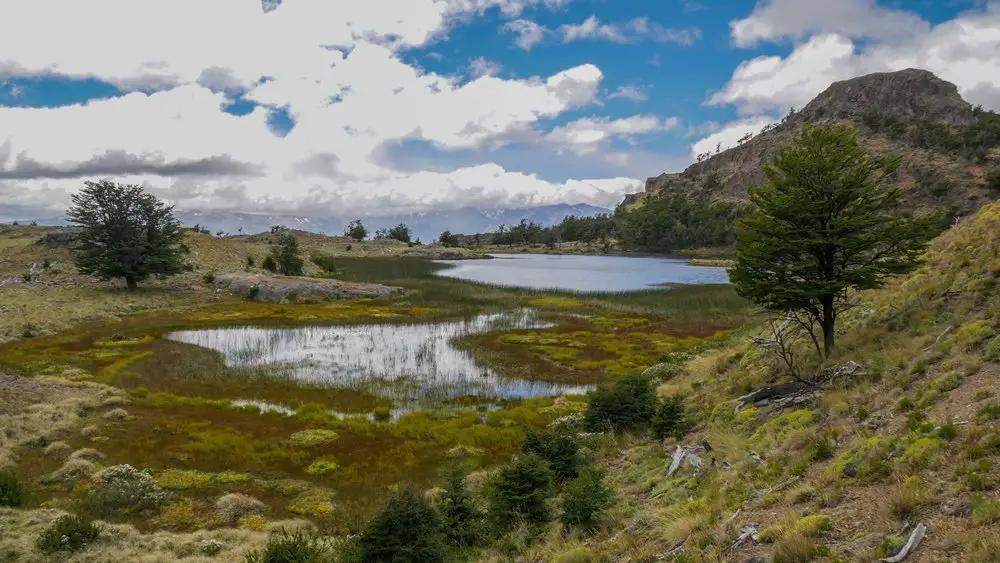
131 283
829 320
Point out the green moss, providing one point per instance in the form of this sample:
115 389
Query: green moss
557 303
771 533
973 333
313 437
813 525
317 503
115 342
923 452
747 417
773 433
322 466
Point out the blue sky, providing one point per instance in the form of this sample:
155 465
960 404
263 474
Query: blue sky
374 105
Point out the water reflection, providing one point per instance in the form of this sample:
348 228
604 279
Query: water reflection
582 273
410 364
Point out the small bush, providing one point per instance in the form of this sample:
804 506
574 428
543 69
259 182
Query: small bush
670 419
251 261
10 489
326 262
909 496
519 491
561 452
993 180
992 351
67 533
627 405
585 498
269 264
382 414
986 511
116 415
57 449
211 547
253 292
123 488
233 507
407 529
291 548
209 277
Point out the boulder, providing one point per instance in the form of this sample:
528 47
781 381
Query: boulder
277 289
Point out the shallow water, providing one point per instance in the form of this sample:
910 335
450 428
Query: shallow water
586 274
410 364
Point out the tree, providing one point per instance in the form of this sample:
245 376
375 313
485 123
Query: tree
124 233
448 239
463 521
561 452
585 498
627 405
670 419
824 223
407 529
285 253
520 490
356 230
400 232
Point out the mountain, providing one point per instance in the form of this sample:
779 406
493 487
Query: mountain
947 146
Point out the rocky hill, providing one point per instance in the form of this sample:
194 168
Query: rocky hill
948 147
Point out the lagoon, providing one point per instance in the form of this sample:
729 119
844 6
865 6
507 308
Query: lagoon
582 274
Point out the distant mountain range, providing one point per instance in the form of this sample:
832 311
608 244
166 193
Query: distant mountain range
427 225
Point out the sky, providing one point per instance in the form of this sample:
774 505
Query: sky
375 107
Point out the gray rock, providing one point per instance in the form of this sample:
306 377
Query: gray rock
276 289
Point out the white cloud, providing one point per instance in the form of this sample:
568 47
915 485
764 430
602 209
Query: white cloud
729 135
965 51
782 19
629 92
480 66
528 33
633 31
591 134
346 103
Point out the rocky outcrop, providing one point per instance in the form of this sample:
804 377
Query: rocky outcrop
930 180
276 289
62 238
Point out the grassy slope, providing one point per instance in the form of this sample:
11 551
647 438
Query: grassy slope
915 440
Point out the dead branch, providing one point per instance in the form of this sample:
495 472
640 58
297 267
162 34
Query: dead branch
911 545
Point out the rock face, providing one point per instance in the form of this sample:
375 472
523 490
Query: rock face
277 289
930 180
62 238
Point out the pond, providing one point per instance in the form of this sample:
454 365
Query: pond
584 274
413 365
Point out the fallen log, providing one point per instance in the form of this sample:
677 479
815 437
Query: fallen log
911 545
777 391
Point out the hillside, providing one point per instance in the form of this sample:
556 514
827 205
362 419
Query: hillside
905 432
947 146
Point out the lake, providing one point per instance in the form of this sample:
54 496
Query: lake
584 274
411 364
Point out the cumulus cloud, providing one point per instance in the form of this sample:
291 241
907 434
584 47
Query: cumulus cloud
480 66
587 136
629 92
729 135
633 31
528 33
794 19
965 50
121 163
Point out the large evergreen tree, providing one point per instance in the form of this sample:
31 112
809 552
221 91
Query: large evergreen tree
824 222
520 491
124 233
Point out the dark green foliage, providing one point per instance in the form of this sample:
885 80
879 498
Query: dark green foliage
400 232
285 254
670 221
973 141
448 239
10 489
326 262
464 524
561 452
67 533
292 548
824 223
124 233
407 530
209 277
269 264
629 404
670 419
250 261
993 180
587 229
584 498
520 491
356 230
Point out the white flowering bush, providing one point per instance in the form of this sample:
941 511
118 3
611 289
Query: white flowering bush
233 507
211 547
123 488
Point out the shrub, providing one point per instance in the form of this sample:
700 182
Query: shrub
313 437
116 415
251 261
520 490
57 449
628 404
670 419
123 488
584 498
297 548
448 239
269 264
233 507
285 254
561 452
356 230
407 529
326 262
993 180
908 498
10 489
463 521
209 277
210 547
67 533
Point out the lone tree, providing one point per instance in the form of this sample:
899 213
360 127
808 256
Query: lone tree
356 230
285 253
400 232
124 233
448 239
824 223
